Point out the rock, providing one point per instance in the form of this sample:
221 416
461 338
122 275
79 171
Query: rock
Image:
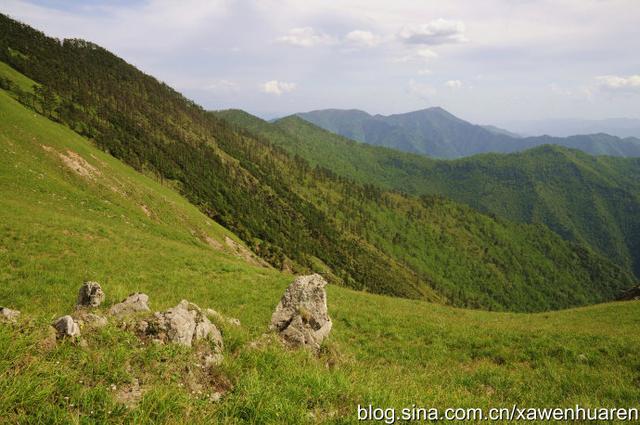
231 320
183 324
134 303
92 320
213 359
301 318
630 295
66 327
8 315
90 295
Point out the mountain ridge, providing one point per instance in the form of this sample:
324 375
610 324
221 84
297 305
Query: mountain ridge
438 133
546 184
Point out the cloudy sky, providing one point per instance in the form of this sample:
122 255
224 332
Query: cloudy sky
488 62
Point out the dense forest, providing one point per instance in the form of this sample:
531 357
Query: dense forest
594 200
293 213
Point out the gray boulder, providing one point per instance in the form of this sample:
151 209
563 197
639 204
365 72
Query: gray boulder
90 295
84 318
134 303
301 318
8 315
66 327
183 324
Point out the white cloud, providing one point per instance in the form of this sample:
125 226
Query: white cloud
277 87
418 55
424 71
618 84
305 37
454 84
359 38
439 31
423 91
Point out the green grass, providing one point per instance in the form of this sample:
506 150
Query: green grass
16 77
58 228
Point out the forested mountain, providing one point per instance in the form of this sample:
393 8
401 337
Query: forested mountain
291 213
63 222
437 133
593 200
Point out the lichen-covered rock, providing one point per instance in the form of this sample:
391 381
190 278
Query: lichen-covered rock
182 324
90 295
301 318
66 327
92 320
134 303
8 315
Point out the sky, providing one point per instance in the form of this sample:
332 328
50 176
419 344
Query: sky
487 61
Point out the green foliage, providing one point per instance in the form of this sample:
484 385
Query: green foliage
472 259
590 200
290 212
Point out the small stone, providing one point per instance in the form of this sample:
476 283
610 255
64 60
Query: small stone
90 295
134 303
84 318
66 327
8 315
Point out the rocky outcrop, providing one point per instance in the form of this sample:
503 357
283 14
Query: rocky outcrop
134 303
66 327
630 295
301 318
183 324
90 295
8 315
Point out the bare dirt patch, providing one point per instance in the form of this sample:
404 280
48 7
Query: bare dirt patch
244 253
76 163
213 243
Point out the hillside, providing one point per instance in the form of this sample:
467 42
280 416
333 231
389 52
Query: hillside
71 212
437 133
295 216
593 200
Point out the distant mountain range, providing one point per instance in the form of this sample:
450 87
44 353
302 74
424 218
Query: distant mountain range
620 127
438 133
592 200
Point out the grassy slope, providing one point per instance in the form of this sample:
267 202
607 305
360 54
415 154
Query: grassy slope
59 228
592 200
